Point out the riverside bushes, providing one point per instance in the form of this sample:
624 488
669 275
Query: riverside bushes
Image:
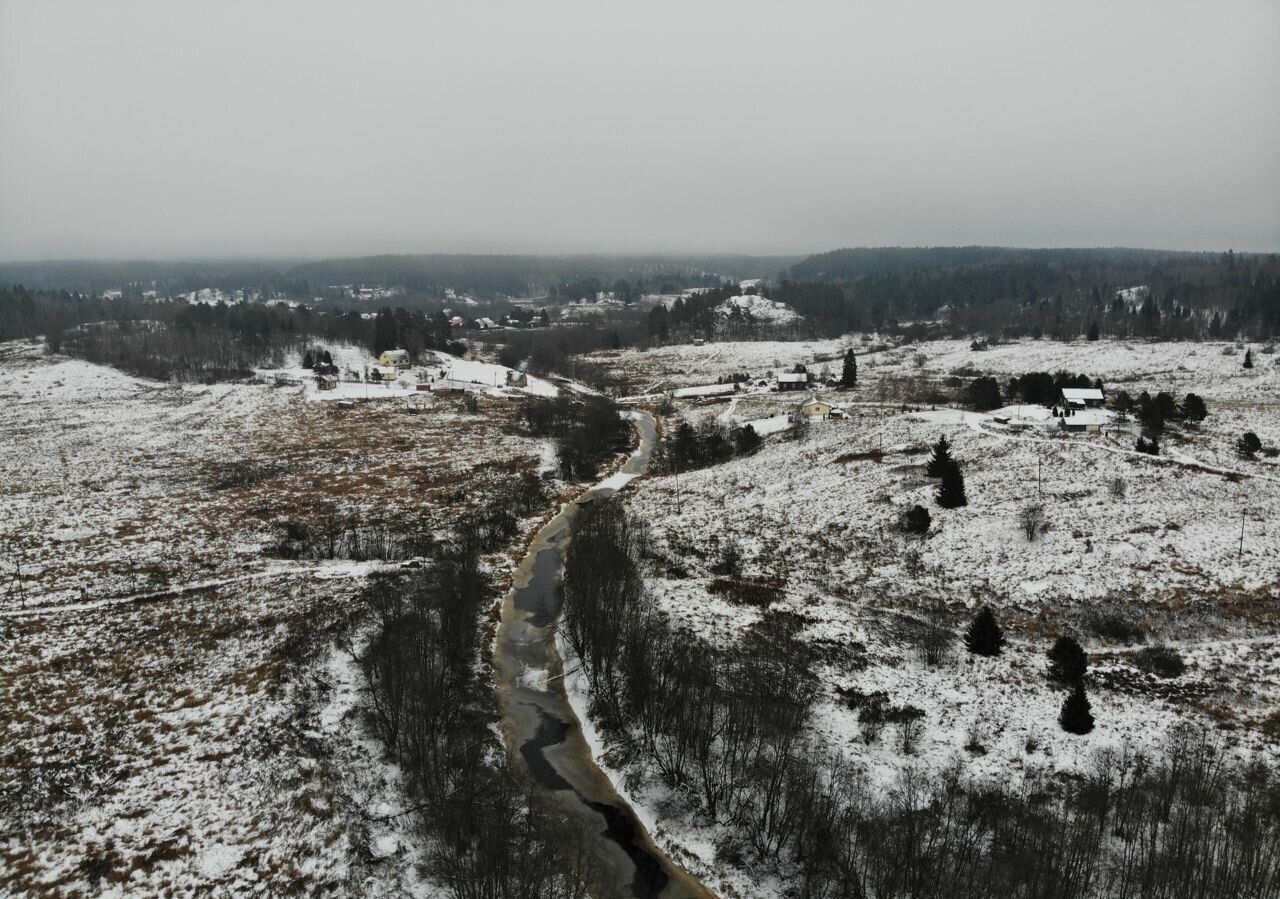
491 836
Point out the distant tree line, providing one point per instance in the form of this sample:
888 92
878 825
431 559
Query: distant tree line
1061 294
725 727
203 341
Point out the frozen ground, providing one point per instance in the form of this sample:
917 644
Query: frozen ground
182 714
819 515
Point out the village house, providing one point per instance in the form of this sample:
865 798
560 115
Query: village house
517 379
788 380
327 382
1074 399
815 409
384 373
397 359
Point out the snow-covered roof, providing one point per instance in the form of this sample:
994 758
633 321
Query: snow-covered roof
397 354
793 377
1081 394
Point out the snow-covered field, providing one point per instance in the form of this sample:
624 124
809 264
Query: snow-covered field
1163 554
178 718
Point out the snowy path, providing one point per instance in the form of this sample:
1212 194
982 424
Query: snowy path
974 421
322 572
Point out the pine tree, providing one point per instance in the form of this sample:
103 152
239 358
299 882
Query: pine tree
1076 717
308 360
1248 358
951 490
983 636
1093 331
849 373
1067 662
1193 408
941 458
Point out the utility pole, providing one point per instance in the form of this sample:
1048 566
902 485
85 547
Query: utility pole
1039 463
1240 554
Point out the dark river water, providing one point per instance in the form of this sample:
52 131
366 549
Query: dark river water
543 732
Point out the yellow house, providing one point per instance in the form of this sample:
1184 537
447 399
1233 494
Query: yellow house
397 358
814 408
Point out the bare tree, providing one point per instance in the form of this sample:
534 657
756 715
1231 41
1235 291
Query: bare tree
1032 520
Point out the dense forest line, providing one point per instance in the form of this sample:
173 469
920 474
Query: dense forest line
1060 294
486 276
726 729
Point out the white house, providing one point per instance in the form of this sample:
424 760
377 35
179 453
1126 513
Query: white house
1091 421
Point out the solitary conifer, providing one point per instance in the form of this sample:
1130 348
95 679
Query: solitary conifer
951 490
1067 661
941 458
1076 717
983 636
849 373
1248 358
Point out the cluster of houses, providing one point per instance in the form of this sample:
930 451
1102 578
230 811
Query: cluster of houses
391 364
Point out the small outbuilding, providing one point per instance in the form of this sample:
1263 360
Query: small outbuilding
1089 421
326 382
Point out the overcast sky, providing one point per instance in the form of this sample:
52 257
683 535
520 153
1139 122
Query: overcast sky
168 128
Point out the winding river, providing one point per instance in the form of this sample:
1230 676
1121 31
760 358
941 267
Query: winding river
542 730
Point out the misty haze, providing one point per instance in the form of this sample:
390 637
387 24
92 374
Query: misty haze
668 451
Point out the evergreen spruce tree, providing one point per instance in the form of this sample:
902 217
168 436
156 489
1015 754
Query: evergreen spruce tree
1067 662
1193 408
1093 331
983 636
940 459
951 490
1248 358
1076 717
849 373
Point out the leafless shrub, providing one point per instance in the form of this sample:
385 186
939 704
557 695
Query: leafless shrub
1031 518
